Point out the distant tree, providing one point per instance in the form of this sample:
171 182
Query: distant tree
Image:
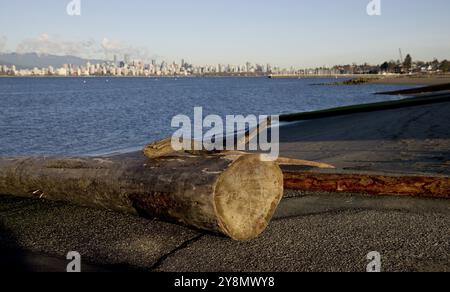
435 64
445 66
394 67
420 63
407 64
384 67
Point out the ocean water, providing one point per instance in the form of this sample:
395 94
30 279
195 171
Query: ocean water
89 116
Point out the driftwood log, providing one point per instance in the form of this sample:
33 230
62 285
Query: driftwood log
235 195
164 148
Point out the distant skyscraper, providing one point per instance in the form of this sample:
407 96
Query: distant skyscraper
115 59
248 65
127 59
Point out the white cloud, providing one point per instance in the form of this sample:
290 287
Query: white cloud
106 49
46 44
3 41
115 47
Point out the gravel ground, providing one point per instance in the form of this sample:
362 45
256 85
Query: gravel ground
412 235
328 242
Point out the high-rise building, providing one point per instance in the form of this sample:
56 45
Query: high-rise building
126 59
163 65
248 67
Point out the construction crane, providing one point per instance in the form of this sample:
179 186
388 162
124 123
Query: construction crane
401 60
401 56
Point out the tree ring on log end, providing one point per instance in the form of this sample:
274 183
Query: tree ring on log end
246 197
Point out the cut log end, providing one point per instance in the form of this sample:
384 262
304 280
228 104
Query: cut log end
246 197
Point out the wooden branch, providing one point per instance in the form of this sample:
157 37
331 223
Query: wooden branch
253 133
283 160
298 162
164 148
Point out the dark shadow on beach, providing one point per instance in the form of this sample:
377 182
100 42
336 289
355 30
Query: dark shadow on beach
12 259
414 123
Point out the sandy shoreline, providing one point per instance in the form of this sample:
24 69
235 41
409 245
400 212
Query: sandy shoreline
412 140
413 80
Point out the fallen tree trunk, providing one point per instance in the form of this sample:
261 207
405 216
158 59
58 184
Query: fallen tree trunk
233 195
375 184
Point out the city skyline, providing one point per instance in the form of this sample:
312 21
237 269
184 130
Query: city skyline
128 67
286 33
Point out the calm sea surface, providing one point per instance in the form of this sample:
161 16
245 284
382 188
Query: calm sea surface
76 116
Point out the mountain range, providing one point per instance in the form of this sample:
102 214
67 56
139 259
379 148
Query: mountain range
32 60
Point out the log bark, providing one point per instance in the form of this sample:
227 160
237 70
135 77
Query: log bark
236 195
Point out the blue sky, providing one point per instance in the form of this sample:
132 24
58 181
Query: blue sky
285 32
